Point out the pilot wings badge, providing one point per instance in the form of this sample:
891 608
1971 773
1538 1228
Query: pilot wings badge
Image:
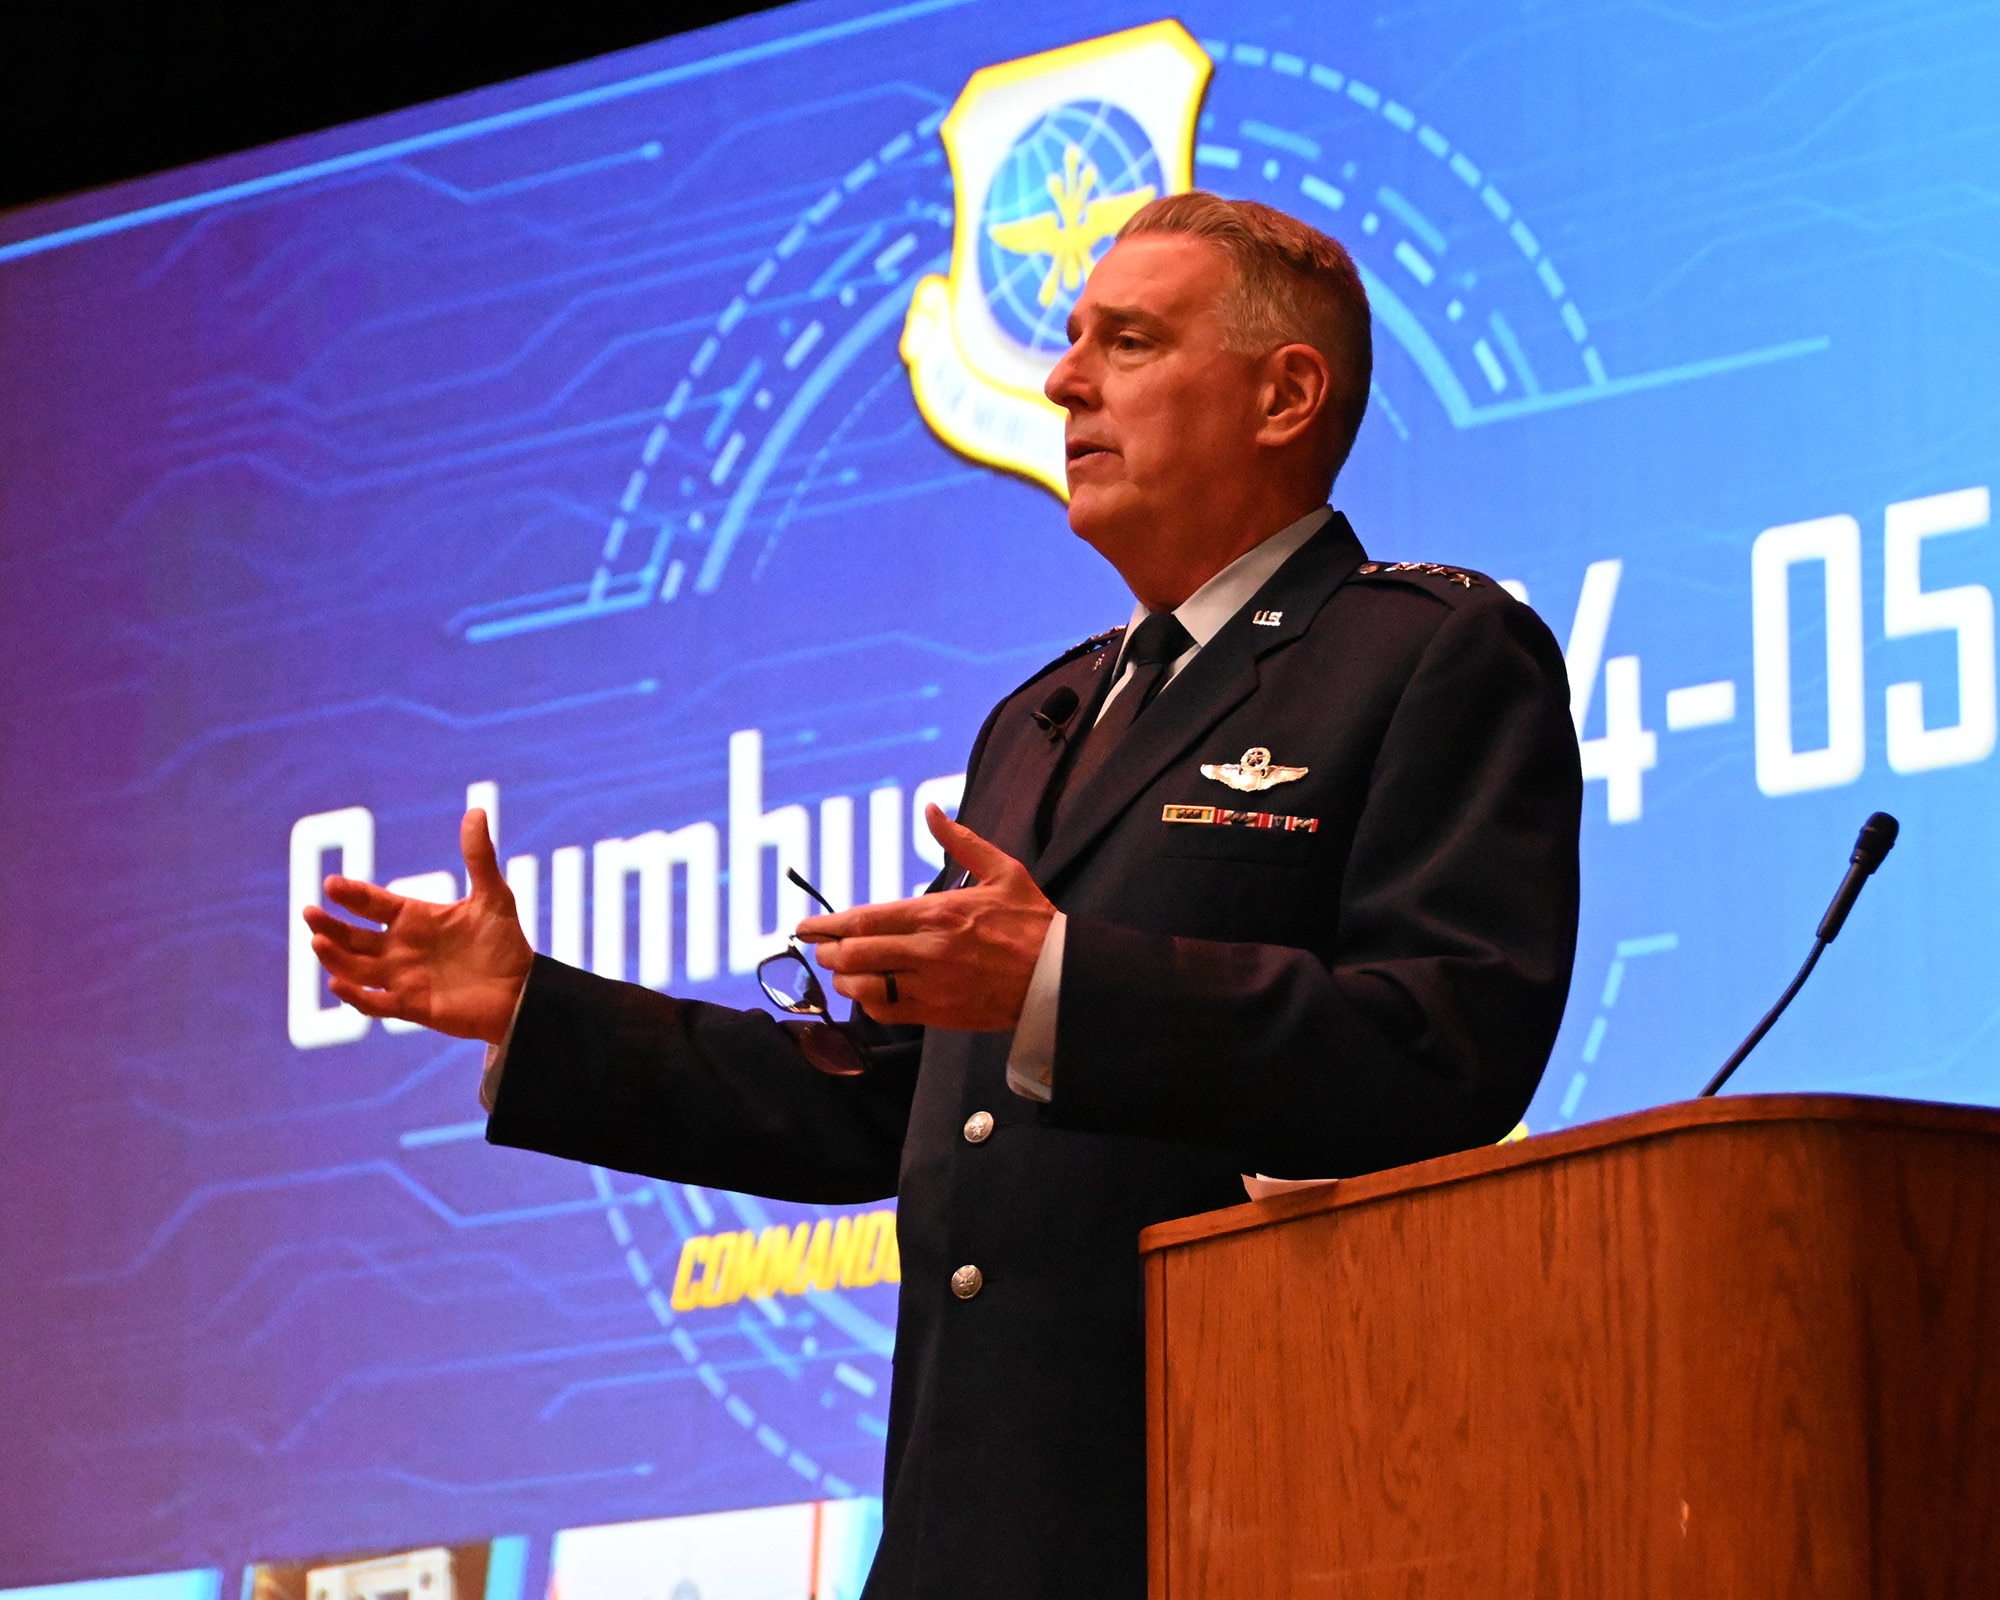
1253 772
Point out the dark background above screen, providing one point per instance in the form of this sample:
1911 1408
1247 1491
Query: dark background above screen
97 91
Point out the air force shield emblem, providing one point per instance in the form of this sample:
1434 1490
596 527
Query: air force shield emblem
1050 156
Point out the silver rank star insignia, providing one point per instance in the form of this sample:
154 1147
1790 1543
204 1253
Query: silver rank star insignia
1253 772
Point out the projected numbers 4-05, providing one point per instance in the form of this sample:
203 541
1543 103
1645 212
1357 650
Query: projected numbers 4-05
1808 642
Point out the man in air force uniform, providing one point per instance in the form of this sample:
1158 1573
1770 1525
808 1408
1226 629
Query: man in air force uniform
1280 879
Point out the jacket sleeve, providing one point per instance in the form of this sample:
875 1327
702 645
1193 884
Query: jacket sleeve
623 1077
1424 1022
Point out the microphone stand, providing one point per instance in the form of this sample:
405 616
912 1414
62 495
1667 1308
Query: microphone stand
1757 1033
1878 836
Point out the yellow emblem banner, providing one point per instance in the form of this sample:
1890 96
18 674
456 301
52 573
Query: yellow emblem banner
1050 156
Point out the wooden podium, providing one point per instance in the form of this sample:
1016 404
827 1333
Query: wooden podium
1726 1349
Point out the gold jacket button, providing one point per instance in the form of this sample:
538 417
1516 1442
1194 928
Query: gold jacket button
967 1282
978 1127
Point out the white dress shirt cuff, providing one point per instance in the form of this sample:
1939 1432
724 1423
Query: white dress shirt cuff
1031 1063
496 1059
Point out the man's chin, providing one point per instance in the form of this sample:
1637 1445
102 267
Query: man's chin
1096 510
1086 505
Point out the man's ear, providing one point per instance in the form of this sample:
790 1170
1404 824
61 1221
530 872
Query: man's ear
1293 396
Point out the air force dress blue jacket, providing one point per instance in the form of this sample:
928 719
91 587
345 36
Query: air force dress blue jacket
1361 967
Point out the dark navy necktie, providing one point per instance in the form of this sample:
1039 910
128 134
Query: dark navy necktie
1151 651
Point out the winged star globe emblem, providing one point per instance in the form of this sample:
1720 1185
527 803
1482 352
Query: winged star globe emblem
1254 772
1050 156
1069 234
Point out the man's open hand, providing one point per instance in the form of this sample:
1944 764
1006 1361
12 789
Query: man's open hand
458 968
962 958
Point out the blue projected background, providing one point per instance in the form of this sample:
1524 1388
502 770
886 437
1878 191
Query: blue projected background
556 439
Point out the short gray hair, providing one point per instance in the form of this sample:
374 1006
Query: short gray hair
1294 285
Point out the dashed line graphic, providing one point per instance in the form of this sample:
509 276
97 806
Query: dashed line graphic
1627 950
881 258
1512 387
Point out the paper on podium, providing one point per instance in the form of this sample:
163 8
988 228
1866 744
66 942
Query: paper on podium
1259 1187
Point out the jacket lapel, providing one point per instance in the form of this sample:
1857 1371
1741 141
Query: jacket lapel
1027 761
1222 675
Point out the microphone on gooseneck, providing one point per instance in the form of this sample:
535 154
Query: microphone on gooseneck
1053 714
1878 834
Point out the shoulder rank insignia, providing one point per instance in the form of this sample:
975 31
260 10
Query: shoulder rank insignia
1428 569
1095 645
1253 772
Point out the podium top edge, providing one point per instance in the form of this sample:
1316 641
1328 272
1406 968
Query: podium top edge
1919 1116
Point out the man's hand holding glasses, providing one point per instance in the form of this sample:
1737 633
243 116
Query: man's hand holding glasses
959 959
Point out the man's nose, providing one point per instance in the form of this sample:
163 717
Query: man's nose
1065 384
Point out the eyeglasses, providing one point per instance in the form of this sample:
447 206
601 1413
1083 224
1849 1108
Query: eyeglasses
788 978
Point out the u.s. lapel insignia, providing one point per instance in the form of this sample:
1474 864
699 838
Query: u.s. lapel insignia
1253 772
